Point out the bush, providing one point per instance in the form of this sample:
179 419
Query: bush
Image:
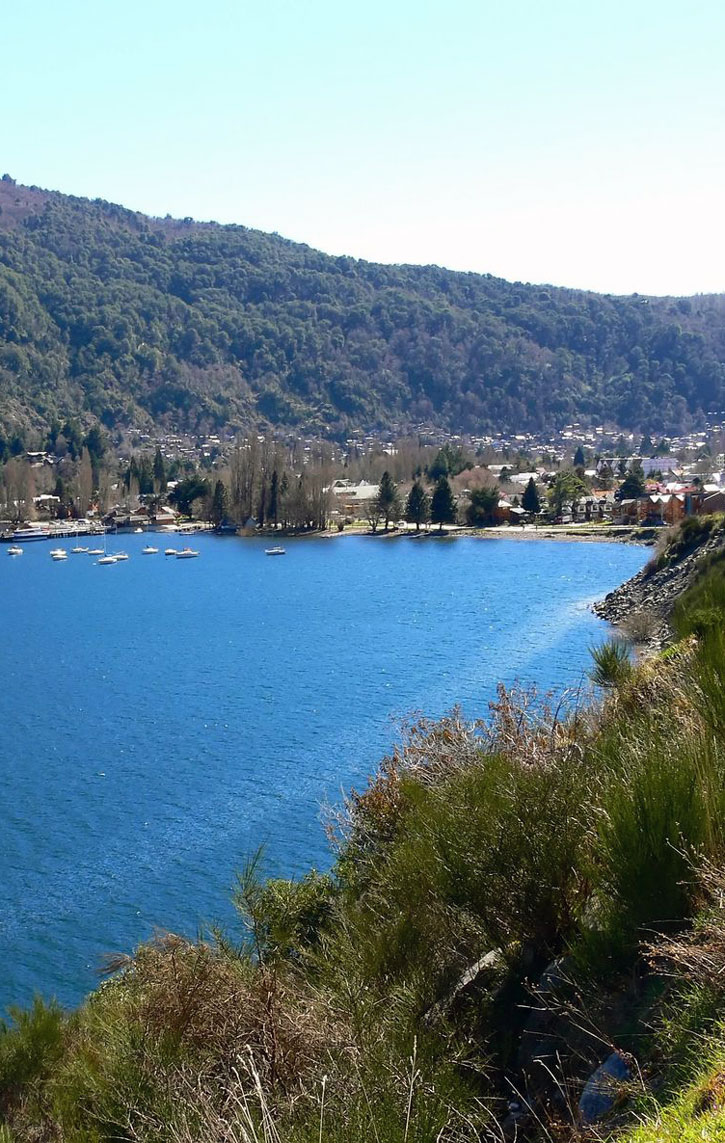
612 663
30 1046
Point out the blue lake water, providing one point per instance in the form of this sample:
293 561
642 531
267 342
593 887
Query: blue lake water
162 718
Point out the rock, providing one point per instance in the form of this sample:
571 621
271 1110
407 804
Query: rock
603 1089
479 976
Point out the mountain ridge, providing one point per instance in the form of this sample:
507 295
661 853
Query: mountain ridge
110 315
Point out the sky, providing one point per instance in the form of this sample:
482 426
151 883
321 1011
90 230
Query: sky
573 143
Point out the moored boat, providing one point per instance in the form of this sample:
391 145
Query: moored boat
15 551
186 554
107 560
24 535
275 551
149 550
59 554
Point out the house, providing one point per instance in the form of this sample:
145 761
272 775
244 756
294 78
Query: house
712 502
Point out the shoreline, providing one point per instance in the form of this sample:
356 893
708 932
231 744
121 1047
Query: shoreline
580 533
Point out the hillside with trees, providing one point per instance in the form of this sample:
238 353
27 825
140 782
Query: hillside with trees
115 318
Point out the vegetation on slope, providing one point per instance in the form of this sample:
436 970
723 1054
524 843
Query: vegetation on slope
510 902
106 314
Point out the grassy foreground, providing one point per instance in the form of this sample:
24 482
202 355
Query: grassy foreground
510 903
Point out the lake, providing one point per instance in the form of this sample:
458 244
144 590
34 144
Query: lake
163 718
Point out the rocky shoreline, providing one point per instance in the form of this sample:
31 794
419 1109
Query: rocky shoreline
654 590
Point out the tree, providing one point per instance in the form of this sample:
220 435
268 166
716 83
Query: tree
417 508
159 471
187 491
442 505
96 446
449 461
633 485
579 458
84 481
388 499
373 512
439 467
482 509
219 499
567 488
273 497
530 501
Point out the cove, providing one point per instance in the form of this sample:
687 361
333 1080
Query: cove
161 719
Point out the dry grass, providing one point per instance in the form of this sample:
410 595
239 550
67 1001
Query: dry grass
220 1010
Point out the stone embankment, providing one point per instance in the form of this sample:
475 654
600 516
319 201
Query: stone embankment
654 591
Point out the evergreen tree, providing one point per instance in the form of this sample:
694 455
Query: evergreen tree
579 458
633 485
417 508
219 503
187 491
646 446
388 499
442 505
530 501
439 466
273 497
145 476
567 489
159 471
482 509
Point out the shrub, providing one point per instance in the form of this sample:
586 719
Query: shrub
612 663
30 1046
639 627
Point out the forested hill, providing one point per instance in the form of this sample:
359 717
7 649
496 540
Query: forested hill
108 314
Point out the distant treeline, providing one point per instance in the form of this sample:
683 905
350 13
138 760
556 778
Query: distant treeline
109 316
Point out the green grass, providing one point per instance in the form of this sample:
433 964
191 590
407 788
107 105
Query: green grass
693 1115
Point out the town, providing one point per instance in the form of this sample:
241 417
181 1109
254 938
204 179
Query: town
578 477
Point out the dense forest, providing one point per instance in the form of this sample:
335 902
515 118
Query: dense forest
107 315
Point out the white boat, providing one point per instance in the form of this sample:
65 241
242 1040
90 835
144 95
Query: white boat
15 551
96 552
26 534
138 531
59 554
171 552
120 556
107 560
186 554
78 550
149 551
275 552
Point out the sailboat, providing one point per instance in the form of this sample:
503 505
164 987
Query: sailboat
106 558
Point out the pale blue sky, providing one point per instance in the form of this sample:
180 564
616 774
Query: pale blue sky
581 144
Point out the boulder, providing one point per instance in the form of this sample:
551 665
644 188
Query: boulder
603 1089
